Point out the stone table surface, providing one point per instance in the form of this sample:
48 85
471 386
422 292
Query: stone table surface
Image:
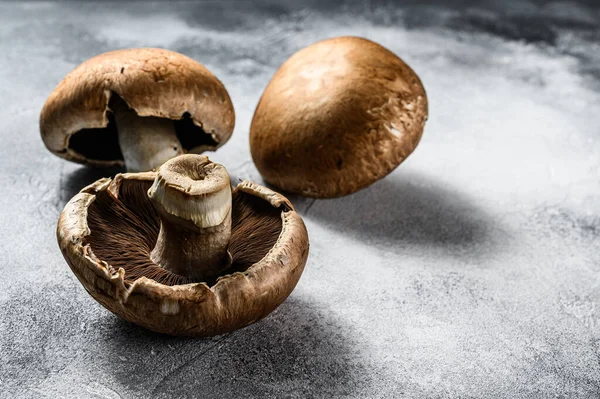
472 270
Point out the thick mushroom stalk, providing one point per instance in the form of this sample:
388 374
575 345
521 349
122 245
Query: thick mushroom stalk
146 142
192 196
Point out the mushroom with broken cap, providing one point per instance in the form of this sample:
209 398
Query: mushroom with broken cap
178 252
337 116
137 107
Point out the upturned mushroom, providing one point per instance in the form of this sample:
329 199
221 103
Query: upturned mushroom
138 108
336 117
178 252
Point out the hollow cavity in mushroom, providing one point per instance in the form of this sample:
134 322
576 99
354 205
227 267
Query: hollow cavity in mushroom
145 142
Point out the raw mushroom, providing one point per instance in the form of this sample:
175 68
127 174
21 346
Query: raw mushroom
178 252
193 199
336 117
138 107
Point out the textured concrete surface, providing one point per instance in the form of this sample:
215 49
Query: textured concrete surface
473 270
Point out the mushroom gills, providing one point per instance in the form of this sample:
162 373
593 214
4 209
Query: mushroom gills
124 232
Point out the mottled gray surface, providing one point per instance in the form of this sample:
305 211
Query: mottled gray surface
473 270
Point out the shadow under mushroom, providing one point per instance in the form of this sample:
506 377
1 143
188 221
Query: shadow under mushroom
294 352
81 177
407 208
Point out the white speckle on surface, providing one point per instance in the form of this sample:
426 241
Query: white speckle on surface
284 259
169 306
393 130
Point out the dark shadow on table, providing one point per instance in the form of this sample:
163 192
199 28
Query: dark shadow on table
78 179
408 209
296 351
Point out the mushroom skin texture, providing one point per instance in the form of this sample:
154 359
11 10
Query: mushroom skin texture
336 117
138 108
235 300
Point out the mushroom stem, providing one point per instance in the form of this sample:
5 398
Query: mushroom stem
146 142
192 196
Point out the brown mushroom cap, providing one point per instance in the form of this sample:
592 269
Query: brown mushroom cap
106 233
75 122
337 116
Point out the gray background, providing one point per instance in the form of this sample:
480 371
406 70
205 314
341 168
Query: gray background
470 271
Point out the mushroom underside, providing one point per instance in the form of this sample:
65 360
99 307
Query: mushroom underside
123 232
102 144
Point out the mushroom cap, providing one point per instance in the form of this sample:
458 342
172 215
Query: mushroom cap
154 82
336 117
197 309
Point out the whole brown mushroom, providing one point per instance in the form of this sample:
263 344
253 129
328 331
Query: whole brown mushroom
336 117
138 108
178 252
